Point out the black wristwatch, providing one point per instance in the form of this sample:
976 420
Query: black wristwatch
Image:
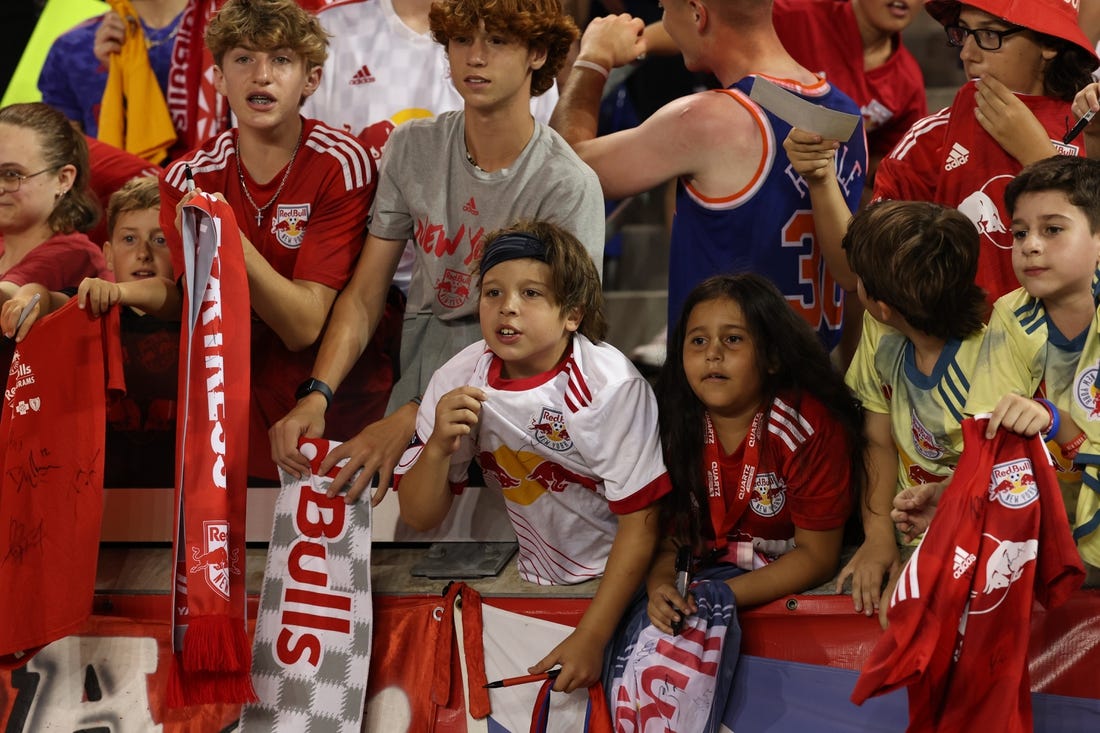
314 385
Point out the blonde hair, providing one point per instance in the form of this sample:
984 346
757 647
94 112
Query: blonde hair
137 194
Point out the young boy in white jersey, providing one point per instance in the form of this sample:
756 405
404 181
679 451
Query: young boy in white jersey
446 182
915 263
564 425
1030 371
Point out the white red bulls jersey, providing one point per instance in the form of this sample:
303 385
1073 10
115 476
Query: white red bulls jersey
378 68
51 475
948 158
926 410
569 448
961 609
1024 353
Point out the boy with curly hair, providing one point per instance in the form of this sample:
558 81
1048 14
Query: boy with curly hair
445 182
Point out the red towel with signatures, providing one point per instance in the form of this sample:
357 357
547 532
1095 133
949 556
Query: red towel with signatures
53 427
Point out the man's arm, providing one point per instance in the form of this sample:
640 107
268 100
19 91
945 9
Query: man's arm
670 143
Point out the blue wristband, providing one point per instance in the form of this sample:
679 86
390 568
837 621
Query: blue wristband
1055 419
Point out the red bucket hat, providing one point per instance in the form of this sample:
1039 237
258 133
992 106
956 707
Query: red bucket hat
1057 18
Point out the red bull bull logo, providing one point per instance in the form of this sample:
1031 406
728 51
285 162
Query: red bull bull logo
981 208
214 560
923 440
1012 483
769 494
1005 565
495 473
453 289
554 477
549 429
289 224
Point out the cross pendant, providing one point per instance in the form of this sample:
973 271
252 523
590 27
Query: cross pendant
259 218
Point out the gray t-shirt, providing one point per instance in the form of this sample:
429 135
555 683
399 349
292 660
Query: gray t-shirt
429 192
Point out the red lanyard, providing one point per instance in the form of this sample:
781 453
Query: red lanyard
724 518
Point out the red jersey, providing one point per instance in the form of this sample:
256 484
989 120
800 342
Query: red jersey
801 479
51 479
313 231
110 169
823 36
961 610
61 262
948 158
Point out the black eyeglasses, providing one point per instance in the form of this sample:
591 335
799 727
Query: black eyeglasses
10 181
986 38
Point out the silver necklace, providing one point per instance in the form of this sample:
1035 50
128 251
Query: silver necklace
286 175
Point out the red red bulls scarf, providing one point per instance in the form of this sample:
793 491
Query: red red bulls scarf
213 654
198 111
52 429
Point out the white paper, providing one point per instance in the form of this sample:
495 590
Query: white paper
797 112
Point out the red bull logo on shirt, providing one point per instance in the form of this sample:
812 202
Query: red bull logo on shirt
453 289
1005 565
1012 483
523 477
769 494
923 439
289 224
549 429
214 559
981 208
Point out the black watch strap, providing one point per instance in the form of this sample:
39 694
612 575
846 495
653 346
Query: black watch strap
314 385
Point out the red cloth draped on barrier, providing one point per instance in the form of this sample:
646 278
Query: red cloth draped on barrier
213 653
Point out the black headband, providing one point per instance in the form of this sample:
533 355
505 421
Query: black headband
514 246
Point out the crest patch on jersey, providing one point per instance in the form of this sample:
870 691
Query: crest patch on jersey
923 439
769 494
549 429
289 224
1084 391
453 288
1012 483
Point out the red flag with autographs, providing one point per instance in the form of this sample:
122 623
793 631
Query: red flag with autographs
52 427
213 654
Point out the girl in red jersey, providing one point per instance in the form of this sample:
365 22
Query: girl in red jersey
764 446
763 442
45 206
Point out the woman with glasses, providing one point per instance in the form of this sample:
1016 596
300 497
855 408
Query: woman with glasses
1025 61
45 206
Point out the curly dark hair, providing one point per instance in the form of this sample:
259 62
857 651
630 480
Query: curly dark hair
790 359
539 24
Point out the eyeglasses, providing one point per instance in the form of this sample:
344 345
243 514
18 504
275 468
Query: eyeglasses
986 38
10 181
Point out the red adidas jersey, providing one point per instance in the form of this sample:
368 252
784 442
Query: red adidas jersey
823 36
948 158
960 614
802 479
52 428
314 231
